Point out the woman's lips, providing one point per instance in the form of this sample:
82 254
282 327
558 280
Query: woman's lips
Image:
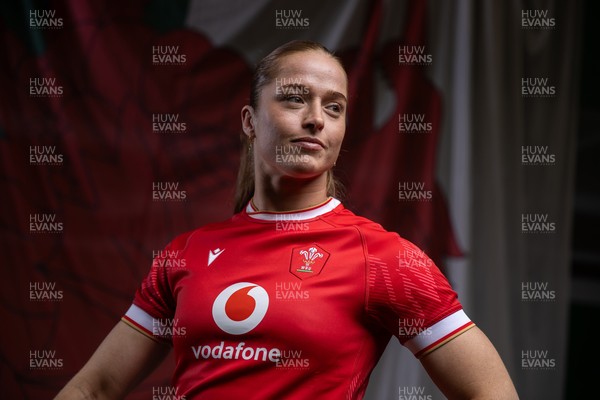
309 143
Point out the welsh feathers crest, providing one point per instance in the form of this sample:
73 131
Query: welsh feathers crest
308 261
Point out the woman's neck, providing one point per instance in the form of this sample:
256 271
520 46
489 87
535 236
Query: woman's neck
287 194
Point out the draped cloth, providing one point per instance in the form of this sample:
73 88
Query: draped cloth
113 158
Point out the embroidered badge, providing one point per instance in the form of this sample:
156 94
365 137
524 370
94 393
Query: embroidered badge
308 261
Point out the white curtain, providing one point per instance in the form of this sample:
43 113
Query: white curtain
482 52
506 259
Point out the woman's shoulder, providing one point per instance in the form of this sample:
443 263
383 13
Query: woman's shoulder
372 231
387 246
346 217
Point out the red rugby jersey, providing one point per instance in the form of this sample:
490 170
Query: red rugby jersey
296 305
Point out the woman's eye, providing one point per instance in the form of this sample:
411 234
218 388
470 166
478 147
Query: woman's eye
294 99
335 108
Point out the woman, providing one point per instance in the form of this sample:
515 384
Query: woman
294 297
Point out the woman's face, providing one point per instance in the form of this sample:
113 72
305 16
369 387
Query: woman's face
300 120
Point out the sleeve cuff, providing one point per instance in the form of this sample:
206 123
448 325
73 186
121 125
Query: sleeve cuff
144 323
439 333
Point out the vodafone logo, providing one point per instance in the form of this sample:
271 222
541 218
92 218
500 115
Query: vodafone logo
240 307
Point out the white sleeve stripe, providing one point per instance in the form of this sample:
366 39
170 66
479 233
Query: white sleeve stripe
437 331
140 317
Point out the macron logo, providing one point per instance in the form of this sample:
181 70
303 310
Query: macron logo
213 254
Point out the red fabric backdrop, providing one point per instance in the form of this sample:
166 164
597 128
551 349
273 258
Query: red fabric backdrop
101 192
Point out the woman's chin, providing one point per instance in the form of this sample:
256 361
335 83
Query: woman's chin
303 170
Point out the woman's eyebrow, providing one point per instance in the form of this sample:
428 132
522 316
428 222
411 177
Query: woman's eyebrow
334 94
298 85
291 88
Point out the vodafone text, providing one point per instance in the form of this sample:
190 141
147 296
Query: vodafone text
239 351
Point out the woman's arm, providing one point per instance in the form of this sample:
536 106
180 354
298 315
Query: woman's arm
122 360
468 367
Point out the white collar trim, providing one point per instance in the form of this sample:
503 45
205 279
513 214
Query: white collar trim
299 215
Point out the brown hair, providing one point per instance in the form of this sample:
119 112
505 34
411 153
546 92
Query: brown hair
263 74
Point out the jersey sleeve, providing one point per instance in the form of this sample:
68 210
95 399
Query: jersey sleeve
409 296
153 304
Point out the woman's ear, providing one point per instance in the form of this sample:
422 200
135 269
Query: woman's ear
248 121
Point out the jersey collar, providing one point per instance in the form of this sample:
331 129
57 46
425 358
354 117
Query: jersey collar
299 215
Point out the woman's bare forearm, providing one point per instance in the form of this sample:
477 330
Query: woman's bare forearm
122 360
468 367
